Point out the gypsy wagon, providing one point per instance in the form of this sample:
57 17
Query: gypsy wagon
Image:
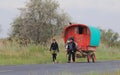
86 37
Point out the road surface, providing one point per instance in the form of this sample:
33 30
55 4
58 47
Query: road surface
61 69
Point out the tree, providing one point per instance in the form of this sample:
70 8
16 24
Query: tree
109 37
39 21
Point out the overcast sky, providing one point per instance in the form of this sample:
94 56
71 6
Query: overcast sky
100 13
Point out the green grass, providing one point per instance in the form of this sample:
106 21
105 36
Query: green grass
13 54
105 53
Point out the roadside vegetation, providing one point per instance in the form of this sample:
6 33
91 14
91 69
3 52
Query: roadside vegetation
12 53
117 72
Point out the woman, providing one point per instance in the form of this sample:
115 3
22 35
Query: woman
54 49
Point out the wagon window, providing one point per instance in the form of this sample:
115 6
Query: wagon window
81 30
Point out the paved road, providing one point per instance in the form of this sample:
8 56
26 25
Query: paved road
60 69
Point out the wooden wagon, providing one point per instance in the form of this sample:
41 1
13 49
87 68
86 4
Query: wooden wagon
86 37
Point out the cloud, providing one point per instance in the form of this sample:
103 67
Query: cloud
8 11
11 4
101 13
102 5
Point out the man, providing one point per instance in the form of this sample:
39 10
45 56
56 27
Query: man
54 49
71 50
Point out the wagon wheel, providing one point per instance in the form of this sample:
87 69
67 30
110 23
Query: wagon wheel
93 57
88 58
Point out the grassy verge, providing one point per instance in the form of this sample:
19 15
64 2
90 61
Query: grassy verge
25 55
105 53
117 72
12 54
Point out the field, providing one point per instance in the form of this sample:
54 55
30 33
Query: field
13 53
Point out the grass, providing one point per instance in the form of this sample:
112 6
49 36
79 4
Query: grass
117 72
12 53
71 73
32 54
105 53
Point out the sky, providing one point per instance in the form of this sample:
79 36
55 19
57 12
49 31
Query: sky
99 13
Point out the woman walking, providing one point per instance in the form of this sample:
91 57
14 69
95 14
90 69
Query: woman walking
54 50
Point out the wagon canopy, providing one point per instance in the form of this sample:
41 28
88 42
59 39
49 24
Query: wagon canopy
94 36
